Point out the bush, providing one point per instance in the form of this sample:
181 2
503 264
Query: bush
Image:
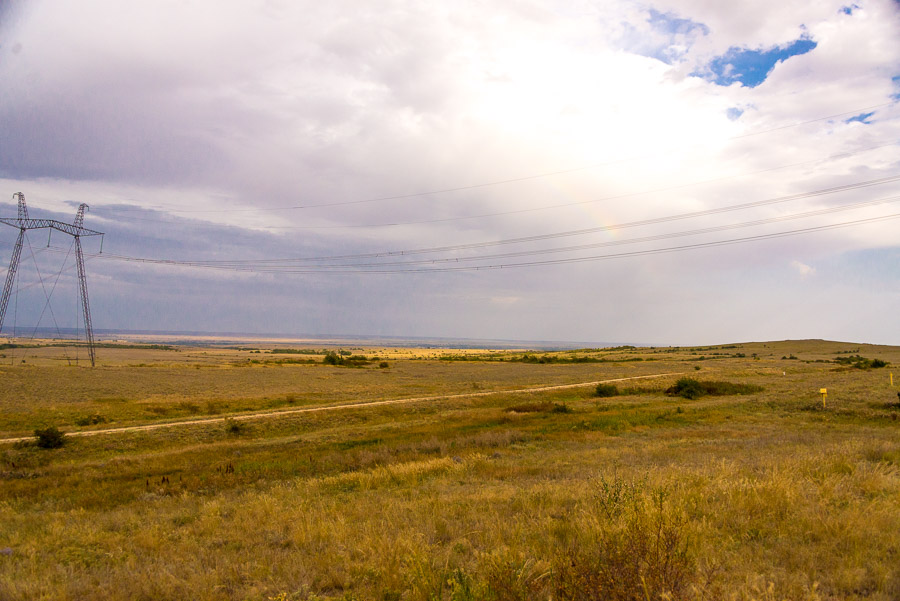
383 364
234 427
860 362
688 388
606 390
50 438
345 359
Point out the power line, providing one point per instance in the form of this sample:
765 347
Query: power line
253 268
608 243
541 237
502 181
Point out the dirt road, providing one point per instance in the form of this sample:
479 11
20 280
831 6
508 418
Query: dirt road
278 413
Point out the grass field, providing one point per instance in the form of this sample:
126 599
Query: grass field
757 492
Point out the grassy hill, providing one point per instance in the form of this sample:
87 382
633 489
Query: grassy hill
751 489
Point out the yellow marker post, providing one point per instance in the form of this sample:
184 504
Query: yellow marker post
892 379
824 393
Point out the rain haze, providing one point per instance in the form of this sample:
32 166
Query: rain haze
661 172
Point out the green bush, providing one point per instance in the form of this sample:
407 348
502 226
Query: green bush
688 388
860 362
606 390
50 438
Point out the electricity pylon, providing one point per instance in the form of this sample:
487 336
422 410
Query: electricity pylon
76 230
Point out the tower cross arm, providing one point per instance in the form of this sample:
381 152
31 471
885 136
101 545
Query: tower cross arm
37 224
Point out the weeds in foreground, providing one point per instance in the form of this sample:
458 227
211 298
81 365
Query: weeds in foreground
632 545
644 553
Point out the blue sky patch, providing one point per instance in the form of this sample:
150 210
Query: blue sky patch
751 67
862 118
669 23
671 37
734 113
848 10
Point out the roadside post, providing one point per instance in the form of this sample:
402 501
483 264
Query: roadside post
824 393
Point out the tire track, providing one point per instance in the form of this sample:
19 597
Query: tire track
357 405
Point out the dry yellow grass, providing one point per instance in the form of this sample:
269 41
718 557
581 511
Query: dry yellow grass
763 496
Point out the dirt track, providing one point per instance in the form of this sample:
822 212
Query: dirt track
268 414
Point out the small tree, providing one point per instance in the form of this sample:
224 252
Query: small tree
606 390
50 438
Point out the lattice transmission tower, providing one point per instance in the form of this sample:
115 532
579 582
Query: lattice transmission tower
76 230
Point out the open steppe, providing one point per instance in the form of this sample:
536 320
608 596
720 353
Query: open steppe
472 486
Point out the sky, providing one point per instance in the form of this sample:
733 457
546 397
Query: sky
664 172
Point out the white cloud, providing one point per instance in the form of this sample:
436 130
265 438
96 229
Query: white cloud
220 105
803 269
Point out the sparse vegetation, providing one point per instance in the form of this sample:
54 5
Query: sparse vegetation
476 491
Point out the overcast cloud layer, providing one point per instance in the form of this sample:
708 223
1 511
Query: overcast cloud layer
301 146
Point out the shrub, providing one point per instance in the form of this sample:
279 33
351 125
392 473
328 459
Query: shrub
234 427
717 388
606 390
688 388
383 364
345 359
860 362
50 438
